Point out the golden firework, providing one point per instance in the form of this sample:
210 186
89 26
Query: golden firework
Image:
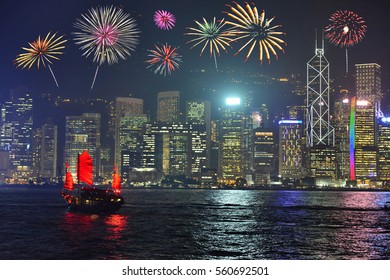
256 29
41 51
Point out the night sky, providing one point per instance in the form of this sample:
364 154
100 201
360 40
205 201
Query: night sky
22 21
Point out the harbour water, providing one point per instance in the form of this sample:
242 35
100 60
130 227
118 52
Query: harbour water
197 225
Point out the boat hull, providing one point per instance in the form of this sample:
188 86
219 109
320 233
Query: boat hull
93 200
97 208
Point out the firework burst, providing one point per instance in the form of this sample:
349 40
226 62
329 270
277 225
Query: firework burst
108 33
164 59
210 34
164 20
345 29
42 51
256 29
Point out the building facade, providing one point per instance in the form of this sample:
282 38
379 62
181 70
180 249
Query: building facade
369 85
290 149
124 106
16 133
44 160
384 150
168 106
130 139
365 156
341 121
82 133
231 145
263 155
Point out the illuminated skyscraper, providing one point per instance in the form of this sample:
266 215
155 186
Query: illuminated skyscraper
323 163
45 152
200 149
168 106
231 141
290 149
318 128
264 116
172 147
365 156
16 132
198 111
82 133
263 155
319 132
130 139
150 154
384 150
198 114
214 146
124 106
369 85
341 120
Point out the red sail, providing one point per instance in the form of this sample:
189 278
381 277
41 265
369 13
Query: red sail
116 180
68 179
84 168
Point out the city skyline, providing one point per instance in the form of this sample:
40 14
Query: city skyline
75 72
163 98
240 143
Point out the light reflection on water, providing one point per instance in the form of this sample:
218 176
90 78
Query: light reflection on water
201 224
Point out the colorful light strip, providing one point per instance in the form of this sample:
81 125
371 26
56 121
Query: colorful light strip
290 121
352 175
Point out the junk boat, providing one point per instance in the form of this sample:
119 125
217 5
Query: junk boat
88 198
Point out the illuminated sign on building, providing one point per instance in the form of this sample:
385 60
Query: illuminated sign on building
233 101
362 103
385 119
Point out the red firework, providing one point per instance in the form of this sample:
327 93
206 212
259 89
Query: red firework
345 29
164 59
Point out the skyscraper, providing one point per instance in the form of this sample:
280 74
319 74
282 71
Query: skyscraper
16 132
342 110
290 149
82 133
231 141
198 111
264 116
323 164
365 160
383 150
318 128
319 132
45 152
369 85
263 155
172 147
198 114
130 138
124 106
168 106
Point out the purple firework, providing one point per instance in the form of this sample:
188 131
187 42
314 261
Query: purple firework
164 20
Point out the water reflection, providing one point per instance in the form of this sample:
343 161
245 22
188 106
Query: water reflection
116 224
293 225
78 225
227 225
362 219
235 224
